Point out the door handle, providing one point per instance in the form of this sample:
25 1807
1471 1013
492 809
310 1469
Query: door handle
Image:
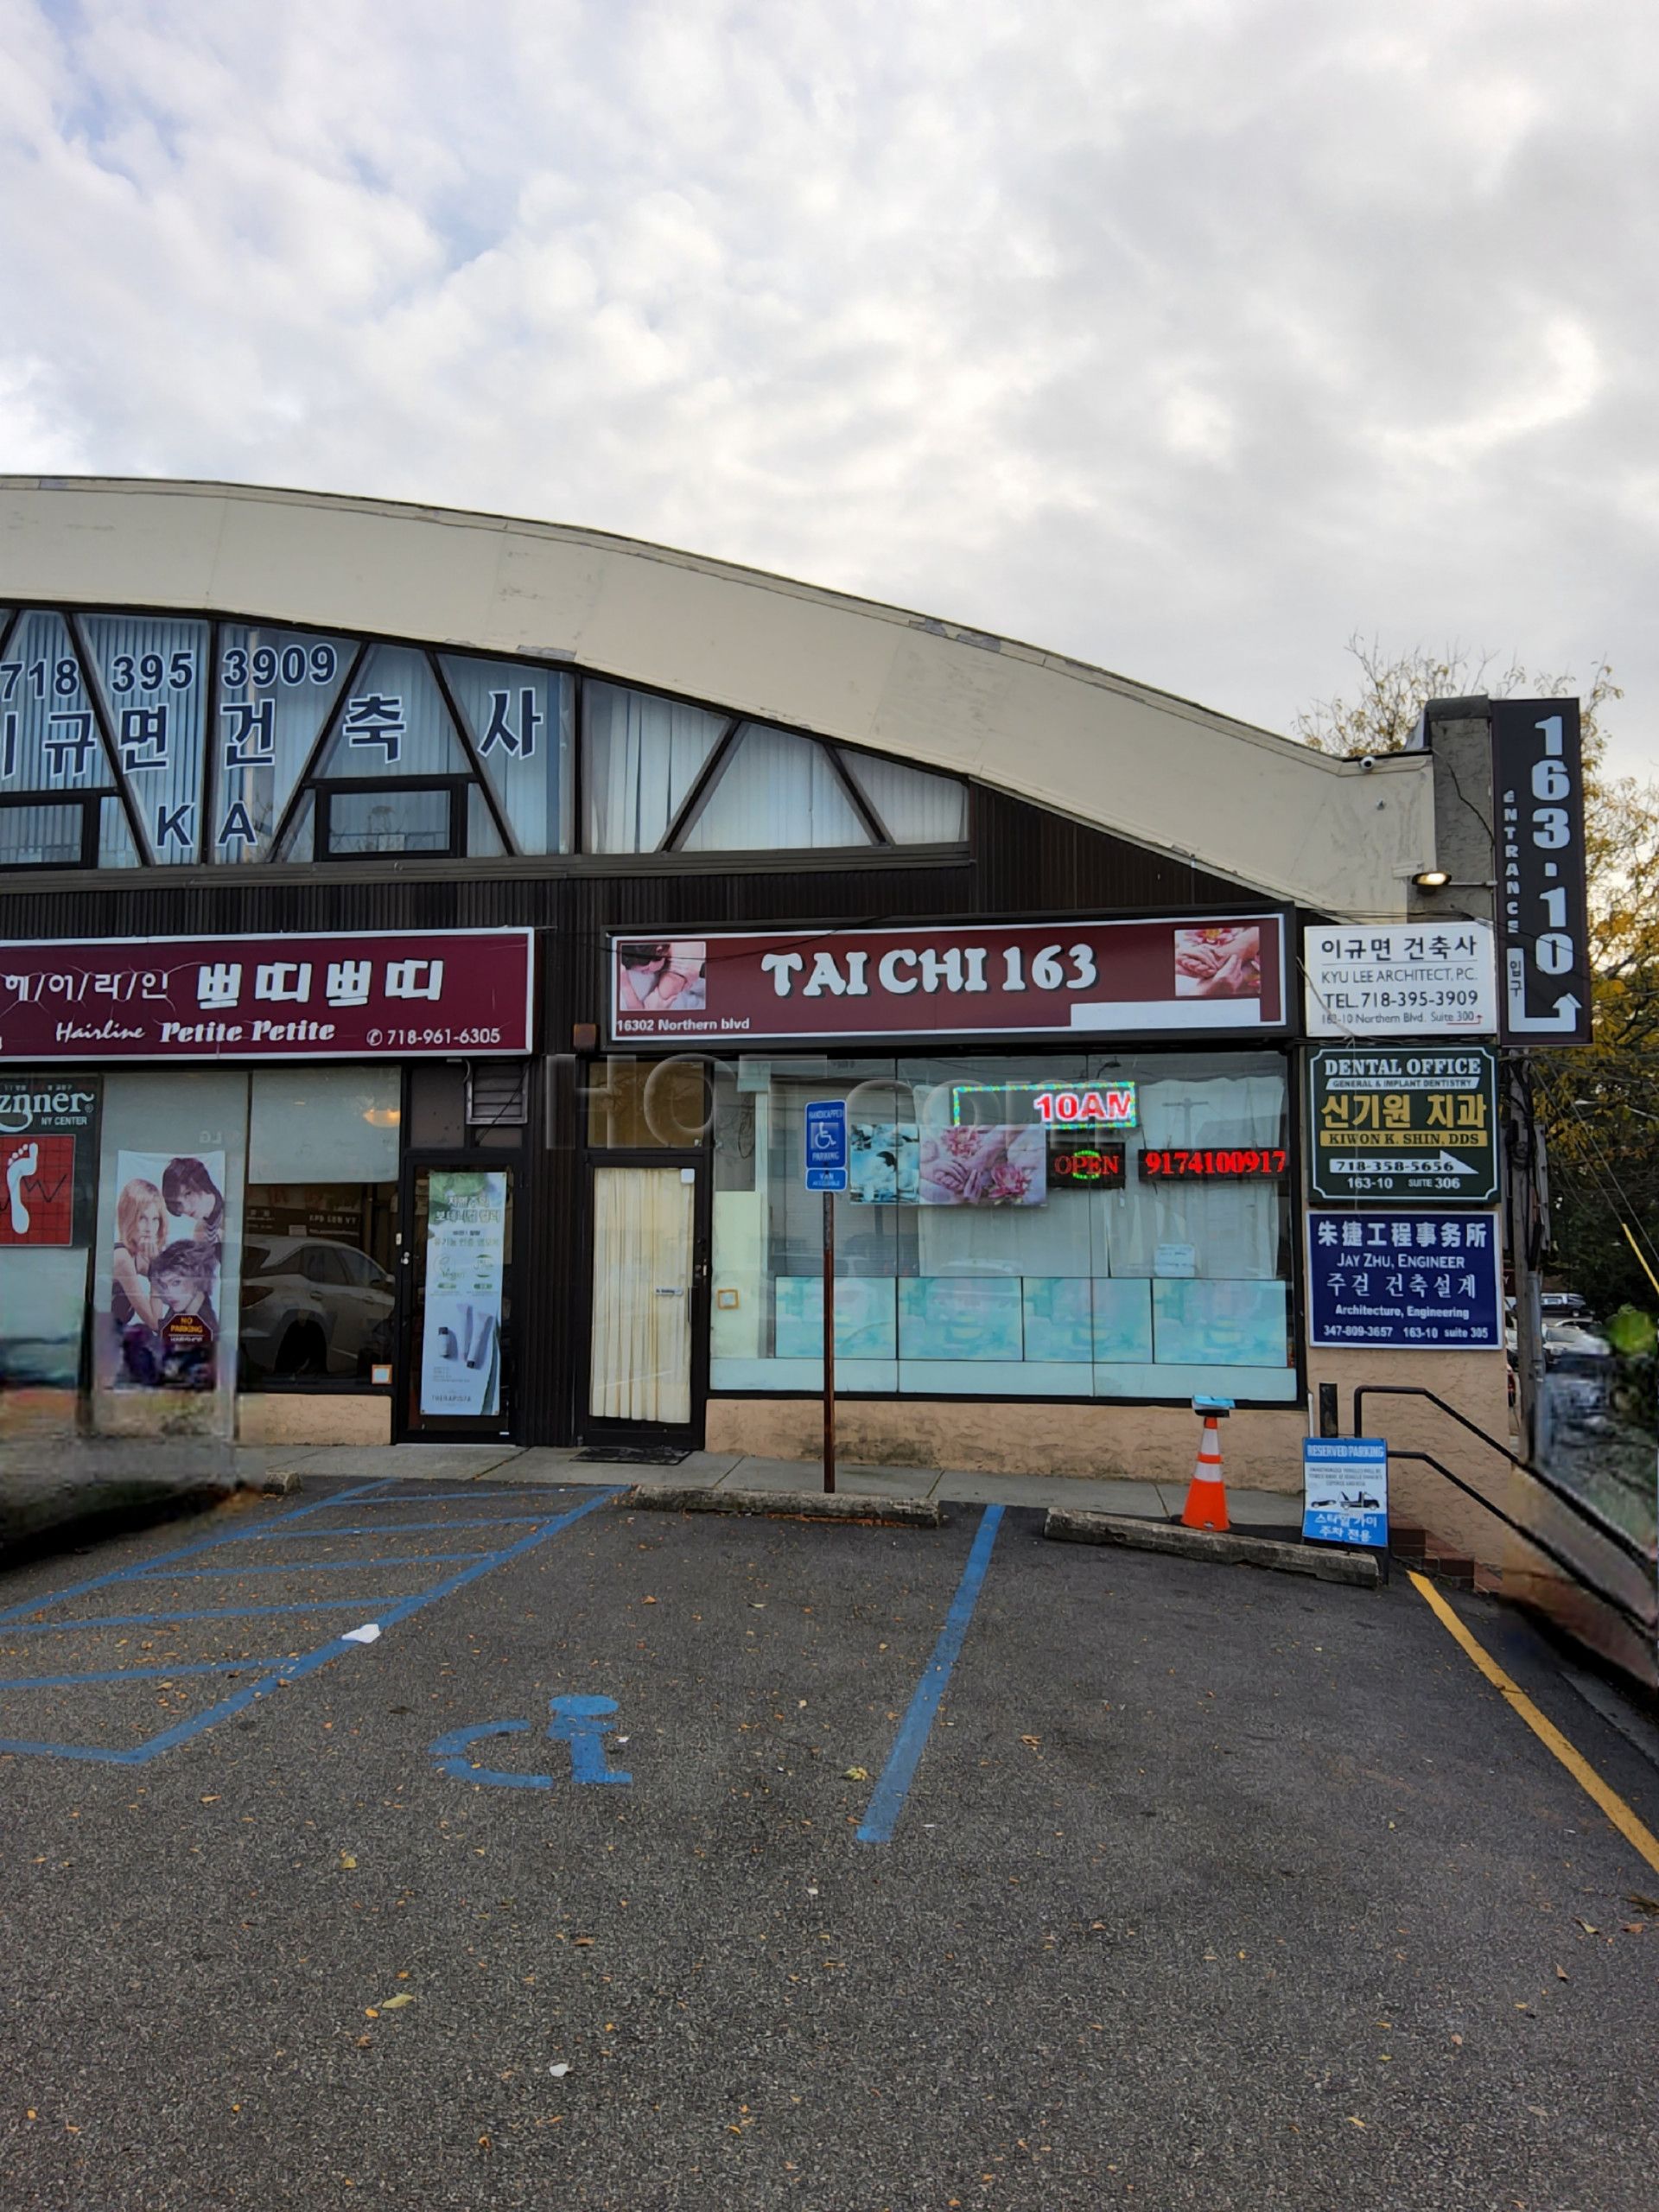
665 1290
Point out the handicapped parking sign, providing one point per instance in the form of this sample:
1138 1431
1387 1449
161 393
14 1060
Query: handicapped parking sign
826 1144
581 1722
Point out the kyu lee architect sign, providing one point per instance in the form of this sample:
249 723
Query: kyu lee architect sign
1390 979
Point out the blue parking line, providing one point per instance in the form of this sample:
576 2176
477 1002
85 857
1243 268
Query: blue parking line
217 1613
887 1801
140 1673
188 1551
491 1496
296 1669
307 1566
396 1528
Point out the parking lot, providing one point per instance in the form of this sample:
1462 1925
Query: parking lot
643 1860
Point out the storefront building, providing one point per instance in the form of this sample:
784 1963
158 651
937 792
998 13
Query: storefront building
420 936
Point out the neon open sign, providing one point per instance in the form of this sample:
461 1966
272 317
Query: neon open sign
1058 1105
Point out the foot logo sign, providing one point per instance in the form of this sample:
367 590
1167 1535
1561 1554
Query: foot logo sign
581 1722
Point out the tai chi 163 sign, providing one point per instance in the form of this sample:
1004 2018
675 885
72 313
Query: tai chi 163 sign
1219 973
1385 1123
1404 1281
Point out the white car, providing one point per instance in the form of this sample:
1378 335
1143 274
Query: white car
310 1306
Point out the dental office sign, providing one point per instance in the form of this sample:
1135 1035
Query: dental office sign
1219 973
408 993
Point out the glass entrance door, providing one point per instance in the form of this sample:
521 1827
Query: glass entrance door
457 1347
646 1290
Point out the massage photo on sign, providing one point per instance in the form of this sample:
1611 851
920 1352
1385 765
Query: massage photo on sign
1221 963
657 975
169 1217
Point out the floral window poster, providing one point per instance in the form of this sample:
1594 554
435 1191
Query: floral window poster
885 1163
996 1164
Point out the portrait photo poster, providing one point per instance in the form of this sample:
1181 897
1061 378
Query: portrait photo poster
170 1214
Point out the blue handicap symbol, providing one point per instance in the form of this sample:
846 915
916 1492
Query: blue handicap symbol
581 1722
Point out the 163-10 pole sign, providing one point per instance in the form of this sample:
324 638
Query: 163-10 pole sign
1542 927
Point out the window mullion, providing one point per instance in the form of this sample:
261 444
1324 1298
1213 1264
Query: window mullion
701 784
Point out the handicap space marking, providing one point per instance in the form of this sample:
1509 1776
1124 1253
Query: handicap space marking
361 1495
581 1722
450 1753
275 1675
887 1801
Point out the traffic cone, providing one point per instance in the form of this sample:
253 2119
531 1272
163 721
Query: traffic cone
1206 1494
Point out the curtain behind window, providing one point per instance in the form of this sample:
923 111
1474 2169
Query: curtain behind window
642 757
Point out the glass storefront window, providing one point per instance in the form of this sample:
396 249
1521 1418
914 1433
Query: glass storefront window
652 1105
392 821
1006 1232
319 1233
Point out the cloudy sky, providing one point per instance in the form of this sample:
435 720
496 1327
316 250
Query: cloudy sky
1189 336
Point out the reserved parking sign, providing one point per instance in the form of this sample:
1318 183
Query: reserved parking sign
1345 1491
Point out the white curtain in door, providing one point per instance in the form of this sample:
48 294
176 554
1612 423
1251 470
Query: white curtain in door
642 1294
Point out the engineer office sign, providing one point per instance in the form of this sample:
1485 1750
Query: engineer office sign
1388 1122
1424 1282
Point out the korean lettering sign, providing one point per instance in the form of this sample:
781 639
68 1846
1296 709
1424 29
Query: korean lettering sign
1543 934
1371 979
1385 1123
1345 1491
400 992
1404 1281
1220 973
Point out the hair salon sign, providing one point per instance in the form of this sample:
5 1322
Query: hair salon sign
454 993
1221 974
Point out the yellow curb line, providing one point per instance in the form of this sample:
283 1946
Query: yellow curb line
1634 1831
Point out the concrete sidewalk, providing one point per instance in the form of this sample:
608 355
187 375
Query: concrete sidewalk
128 1464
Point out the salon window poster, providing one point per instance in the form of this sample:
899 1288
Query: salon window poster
164 1277
466 1249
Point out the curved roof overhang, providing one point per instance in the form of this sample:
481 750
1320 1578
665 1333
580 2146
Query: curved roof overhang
1167 774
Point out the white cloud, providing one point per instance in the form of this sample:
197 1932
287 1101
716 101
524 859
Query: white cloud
1187 339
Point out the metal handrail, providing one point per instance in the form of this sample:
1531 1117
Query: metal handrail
1618 1538
1644 1624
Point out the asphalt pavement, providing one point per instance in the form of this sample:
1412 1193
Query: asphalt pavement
854 1867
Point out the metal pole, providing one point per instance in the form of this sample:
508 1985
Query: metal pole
829 1343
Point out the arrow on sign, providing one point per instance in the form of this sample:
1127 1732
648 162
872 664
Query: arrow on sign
1566 1016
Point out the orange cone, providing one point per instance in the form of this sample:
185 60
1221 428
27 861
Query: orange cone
1206 1494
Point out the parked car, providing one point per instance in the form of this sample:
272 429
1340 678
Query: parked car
313 1307
1570 1340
